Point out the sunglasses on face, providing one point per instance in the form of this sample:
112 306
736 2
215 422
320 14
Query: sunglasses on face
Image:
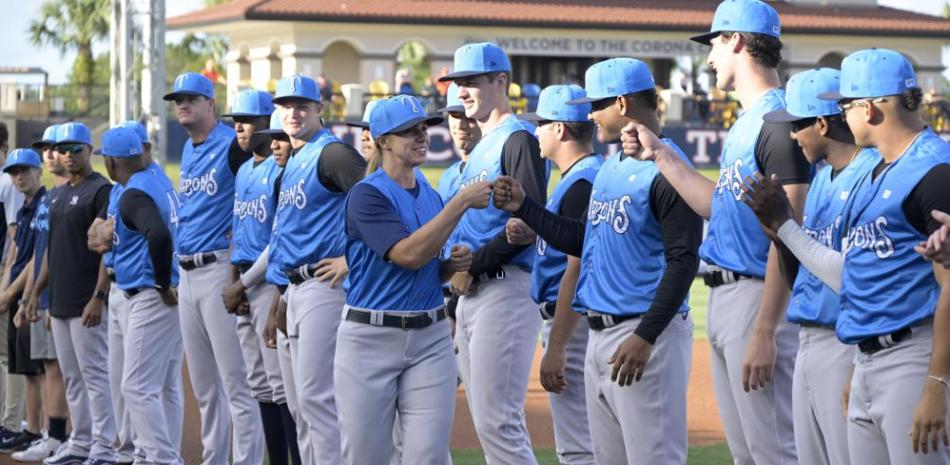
70 148
798 125
845 105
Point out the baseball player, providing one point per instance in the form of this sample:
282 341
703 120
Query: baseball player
465 135
254 204
638 258
307 246
823 364
565 136
367 146
145 215
394 351
210 162
497 326
754 348
894 304
24 168
77 291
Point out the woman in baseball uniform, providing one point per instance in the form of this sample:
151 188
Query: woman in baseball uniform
394 352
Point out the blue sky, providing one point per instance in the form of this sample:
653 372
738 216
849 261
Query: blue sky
19 52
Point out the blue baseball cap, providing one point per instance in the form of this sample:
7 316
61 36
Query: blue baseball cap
252 102
873 72
553 106
49 138
297 86
743 16
22 157
801 96
72 133
191 84
397 114
453 104
139 129
364 123
275 127
476 59
615 77
120 142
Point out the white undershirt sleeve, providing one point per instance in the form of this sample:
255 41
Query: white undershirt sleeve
825 263
256 273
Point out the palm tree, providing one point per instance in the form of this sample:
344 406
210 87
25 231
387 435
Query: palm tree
73 25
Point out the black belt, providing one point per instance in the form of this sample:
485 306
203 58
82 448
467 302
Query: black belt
547 310
243 267
879 343
413 321
111 274
197 261
603 321
301 274
129 293
496 274
717 278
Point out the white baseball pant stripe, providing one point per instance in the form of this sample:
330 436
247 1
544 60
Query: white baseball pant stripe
216 368
263 369
885 390
821 371
496 334
379 371
569 408
83 355
758 423
644 423
316 310
286 348
118 322
152 339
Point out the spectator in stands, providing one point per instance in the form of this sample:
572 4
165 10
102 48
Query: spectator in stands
443 86
210 71
404 82
430 94
326 88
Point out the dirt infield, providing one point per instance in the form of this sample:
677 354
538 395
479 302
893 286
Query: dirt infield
704 425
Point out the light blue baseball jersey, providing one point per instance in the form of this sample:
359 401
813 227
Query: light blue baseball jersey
132 262
206 192
254 206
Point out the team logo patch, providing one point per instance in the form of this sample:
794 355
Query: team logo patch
632 178
887 194
74 200
844 195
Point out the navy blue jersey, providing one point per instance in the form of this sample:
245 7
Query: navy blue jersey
40 225
131 260
25 236
206 191
112 212
253 209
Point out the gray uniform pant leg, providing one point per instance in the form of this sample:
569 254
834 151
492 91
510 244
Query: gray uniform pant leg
497 334
285 348
216 369
758 424
569 408
263 369
821 371
118 324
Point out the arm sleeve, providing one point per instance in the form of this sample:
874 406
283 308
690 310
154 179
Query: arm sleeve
341 167
682 231
520 159
575 201
101 201
12 201
370 217
258 271
778 154
931 193
237 156
140 213
825 263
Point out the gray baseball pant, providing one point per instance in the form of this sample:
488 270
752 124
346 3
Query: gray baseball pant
758 423
496 334
216 368
316 313
380 371
286 353
118 325
83 355
885 390
569 408
263 369
821 371
644 423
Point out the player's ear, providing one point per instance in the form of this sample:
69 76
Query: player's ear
822 126
624 104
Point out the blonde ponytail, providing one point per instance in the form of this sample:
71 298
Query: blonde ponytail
375 159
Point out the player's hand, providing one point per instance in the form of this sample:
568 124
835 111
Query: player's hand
280 320
519 233
929 427
234 295
759 362
19 319
507 194
767 199
169 296
460 258
630 360
92 313
936 248
333 270
29 308
269 335
552 369
476 195
462 283
641 143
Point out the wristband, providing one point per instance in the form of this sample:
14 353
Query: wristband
101 295
939 380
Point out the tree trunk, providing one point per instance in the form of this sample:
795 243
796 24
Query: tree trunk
84 68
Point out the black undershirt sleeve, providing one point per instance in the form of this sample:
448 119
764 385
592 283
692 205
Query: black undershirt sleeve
682 231
776 153
237 156
101 201
562 233
931 193
520 159
140 213
341 167
576 199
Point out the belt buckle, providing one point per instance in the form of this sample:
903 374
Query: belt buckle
500 273
403 322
